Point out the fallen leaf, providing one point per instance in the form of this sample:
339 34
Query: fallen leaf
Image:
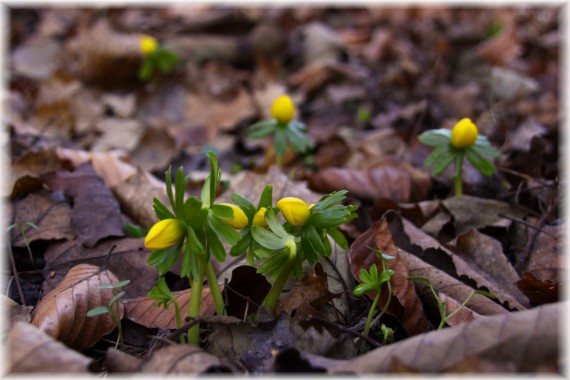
14 312
245 291
463 314
538 292
37 58
311 289
520 138
96 213
405 305
508 85
117 361
501 49
183 359
62 312
155 149
545 261
143 311
26 171
485 254
127 261
30 350
445 284
48 211
501 338
117 133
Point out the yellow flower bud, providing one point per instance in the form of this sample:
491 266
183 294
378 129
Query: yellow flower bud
283 109
464 134
259 217
239 220
295 210
164 234
148 44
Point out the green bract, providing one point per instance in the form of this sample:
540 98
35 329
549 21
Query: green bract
156 58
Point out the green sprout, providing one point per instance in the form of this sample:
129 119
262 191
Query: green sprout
20 227
284 247
463 141
156 58
286 131
444 318
373 282
112 308
162 294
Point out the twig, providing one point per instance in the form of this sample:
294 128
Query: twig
104 266
345 330
176 333
15 272
517 220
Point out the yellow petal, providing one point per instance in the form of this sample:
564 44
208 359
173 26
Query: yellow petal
464 134
283 109
239 220
294 210
148 44
259 217
164 234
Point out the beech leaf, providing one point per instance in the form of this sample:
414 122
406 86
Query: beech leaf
62 313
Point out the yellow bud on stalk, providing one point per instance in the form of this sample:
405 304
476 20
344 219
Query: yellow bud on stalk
283 109
294 210
259 217
164 234
464 134
148 44
239 220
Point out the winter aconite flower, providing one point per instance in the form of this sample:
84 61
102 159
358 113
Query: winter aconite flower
464 134
164 234
283 109
294 210
148 44
239 220
259 217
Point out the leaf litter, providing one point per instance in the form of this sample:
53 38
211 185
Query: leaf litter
90 146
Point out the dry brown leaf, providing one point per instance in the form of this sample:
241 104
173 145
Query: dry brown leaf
127 261
30 350
117 361
485 254
183 359
14 312
117 133
546 257
37 58
412 239
62 312
502 49
538 292
137 192
405 305
155 149
26 171
449 286
143 311
311 289
501 338
50 213
96 214
463 313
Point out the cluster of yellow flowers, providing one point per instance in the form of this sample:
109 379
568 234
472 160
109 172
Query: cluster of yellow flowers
169 232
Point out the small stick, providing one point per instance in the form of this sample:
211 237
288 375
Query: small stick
15 272
501 215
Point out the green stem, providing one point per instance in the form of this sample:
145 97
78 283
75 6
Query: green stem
249 259
27 246
194 310
215 289
369 318
383 311
272 297
178 318
447 318
457 180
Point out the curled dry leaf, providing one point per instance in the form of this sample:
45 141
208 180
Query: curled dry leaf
62 312
405 305
14 312
545 260
29 350
501 338
538 292
96 214
447 285
183 359
143 311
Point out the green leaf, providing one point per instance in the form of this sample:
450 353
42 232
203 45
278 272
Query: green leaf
274 225
443 161
267 238
331 217
191 212
209 189
161 211
436 155
164 259
106 286
145 70
419 278
480 163
280 142
168 181
190 263
242 245
314 238
338 237
161 293
484 147
32 225
362 289
299 140
134 231
486 294
243 203
193 244
180 184
331 199
261 129
222 211
226 232
122 283
215 245
436 137
309 249
97 311
266 198
115 298
385 276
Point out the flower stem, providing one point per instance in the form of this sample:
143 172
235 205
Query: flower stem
447 318
194 310
272 297
249 260
369 318
215 289
457 180
178 318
